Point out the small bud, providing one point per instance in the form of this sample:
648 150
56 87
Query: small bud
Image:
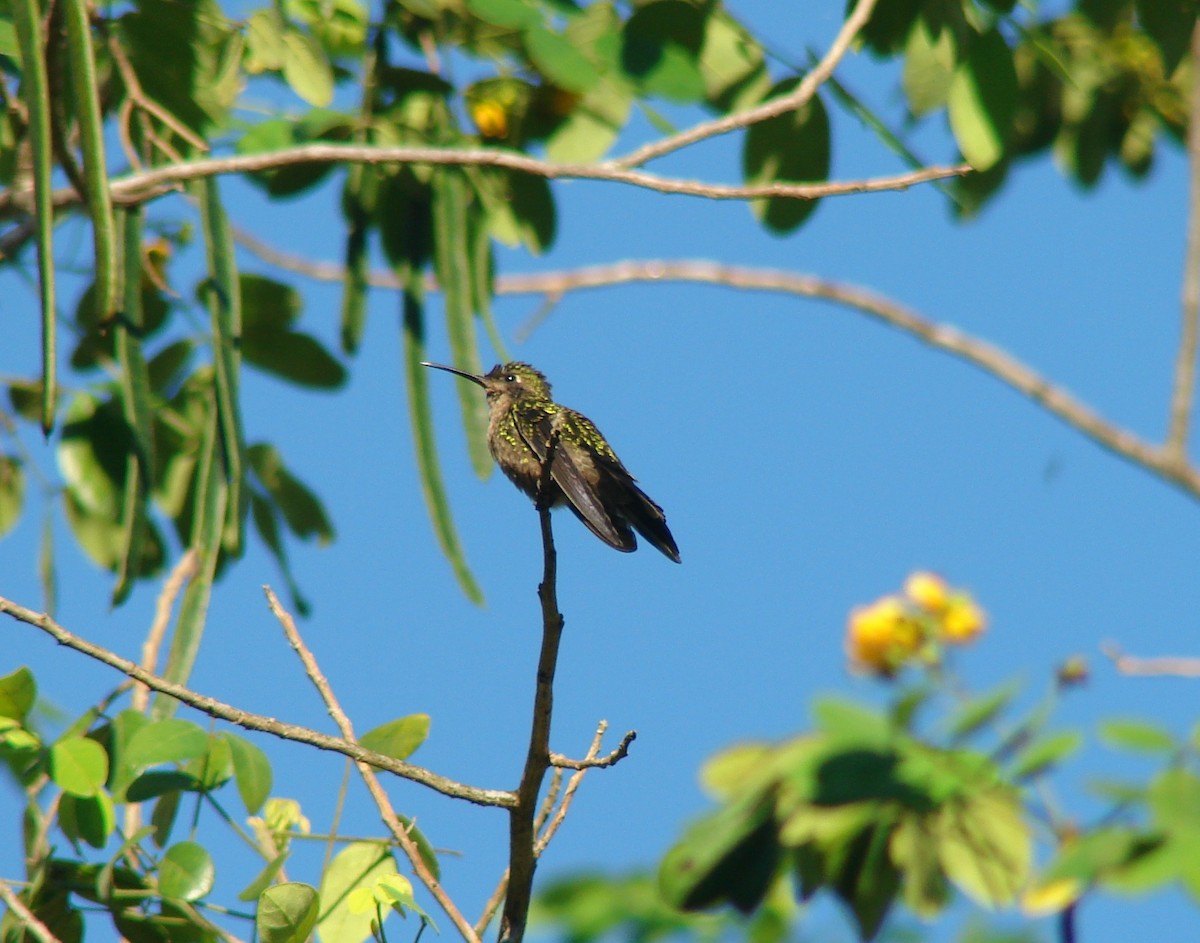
1072 672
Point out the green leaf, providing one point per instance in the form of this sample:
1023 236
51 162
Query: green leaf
87 818
660 49
165 741
12 492
268 306
265 47
985 847
1169 23
120 732
265 877
18 691
510 14
520 208
1046 752
295 357
864 877
848 719
732 64
251 770
306 68
287 913
359 864
1136 735
793 147
215 767
728 773
730 855
269 309
266 522
889 24
181 54
593 124
155 783
983 99
78 766
1174 800
303 512
915 851
930 57
398 738
560 60
186 872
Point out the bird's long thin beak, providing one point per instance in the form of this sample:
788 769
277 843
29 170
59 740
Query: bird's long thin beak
462 373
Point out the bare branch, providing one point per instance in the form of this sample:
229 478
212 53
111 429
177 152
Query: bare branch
522 860
1159 460
386 812
1168 665
222 711
992 360
148 184
1184 389
591 761
797 98
573 786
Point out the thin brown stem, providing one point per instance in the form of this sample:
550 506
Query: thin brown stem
1178 667
522 860
148 184
593 761
548 822
797 98
234 715
407 844
1184 389
573 783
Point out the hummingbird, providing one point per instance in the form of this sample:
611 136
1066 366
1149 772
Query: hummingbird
525 425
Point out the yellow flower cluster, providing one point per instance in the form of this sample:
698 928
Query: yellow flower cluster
881 638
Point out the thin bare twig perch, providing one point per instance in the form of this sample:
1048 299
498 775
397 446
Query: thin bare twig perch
222 711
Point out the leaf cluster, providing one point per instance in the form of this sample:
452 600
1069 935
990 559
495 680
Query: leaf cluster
83 784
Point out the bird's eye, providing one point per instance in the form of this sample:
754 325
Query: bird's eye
511 378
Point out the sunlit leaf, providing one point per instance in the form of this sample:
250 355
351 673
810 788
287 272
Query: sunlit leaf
287 913
78 766
982 100
398 738
18 692
186 872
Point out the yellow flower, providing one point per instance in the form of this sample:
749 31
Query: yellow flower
927 590
490 118
962 621
879 637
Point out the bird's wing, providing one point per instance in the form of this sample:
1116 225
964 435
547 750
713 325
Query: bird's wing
583 497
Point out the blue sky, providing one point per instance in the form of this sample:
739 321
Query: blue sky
807 459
